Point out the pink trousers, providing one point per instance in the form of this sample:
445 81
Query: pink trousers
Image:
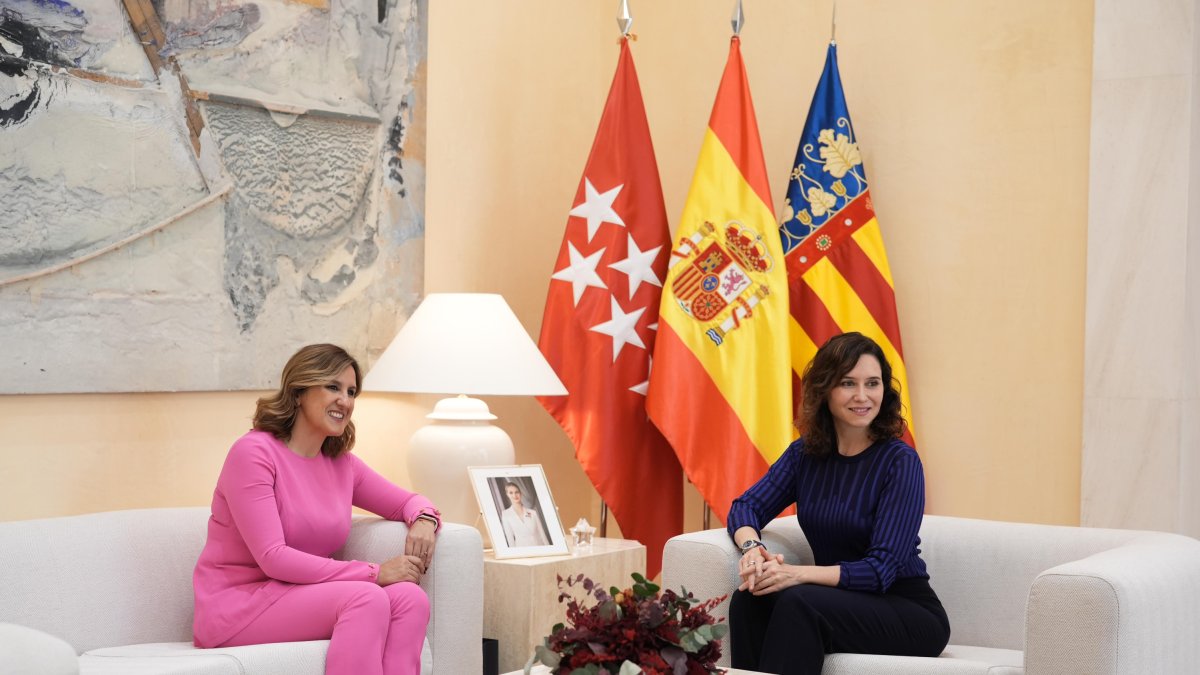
372 630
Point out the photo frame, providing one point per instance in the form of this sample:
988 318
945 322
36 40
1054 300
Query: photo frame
530 528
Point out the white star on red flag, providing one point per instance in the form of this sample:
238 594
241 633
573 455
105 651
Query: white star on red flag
581 271
597 207
637 265
622 328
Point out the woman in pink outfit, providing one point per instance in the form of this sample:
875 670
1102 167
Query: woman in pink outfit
282 508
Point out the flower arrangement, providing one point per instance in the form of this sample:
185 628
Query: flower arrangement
636 630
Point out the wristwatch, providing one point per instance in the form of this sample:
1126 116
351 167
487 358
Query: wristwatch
751 543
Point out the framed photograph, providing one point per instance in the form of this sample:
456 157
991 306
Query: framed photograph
518 511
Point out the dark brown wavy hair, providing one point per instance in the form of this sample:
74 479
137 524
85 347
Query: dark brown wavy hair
312 366
834 359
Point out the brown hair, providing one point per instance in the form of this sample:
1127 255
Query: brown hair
834 359
312 366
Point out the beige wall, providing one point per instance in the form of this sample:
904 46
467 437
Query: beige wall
82 453
973 119
973 122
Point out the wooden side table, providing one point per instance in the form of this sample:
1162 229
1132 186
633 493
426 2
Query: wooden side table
521 594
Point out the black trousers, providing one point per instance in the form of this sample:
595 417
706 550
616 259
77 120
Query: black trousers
790 632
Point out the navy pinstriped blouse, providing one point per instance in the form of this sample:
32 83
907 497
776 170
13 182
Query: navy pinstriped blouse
862 512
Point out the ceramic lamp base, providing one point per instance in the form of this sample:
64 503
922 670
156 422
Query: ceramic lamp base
460 435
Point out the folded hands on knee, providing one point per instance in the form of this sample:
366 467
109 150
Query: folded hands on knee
762 572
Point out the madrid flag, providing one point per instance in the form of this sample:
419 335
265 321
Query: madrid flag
599 326
721 388
838 274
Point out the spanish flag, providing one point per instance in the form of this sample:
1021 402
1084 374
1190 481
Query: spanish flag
720 386
838 274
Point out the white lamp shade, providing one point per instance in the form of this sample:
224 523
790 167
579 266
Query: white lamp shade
461 343
464 343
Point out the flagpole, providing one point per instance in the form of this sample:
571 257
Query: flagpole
833 25
739 18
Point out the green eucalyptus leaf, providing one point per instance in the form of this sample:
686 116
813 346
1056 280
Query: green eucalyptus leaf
547 657
719 630
629 668
676 657
609 611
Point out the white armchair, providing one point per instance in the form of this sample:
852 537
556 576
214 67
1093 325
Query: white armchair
1022 598
116 589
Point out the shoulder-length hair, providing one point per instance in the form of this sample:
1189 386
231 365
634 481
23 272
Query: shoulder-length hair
312 366
834 359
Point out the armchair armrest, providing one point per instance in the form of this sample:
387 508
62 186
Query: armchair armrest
454 585
705 563
26 650
1129 609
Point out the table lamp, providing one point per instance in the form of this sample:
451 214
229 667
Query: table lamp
461 343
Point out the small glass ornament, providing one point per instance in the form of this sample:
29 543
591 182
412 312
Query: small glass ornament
582 535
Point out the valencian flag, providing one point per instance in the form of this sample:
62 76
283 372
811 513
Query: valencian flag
838 275
599 326
721 390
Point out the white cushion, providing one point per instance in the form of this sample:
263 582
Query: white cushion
181 658
281 658
955 660
26 650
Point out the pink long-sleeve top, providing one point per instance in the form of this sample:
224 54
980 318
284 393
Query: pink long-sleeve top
276 519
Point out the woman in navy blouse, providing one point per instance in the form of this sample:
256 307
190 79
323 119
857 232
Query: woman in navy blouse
859 493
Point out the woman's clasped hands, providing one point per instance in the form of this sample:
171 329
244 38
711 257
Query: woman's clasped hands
762 572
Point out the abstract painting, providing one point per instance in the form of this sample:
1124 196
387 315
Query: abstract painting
147 247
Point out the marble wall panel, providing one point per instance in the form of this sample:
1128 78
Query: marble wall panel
1131 463
1138 215
1141 426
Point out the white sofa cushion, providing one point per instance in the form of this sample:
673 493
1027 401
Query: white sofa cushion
181 658
32 651
955 660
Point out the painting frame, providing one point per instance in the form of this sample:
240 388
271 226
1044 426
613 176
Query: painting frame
534 532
